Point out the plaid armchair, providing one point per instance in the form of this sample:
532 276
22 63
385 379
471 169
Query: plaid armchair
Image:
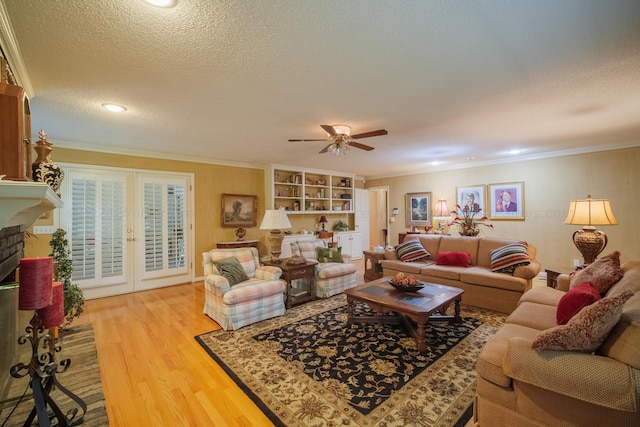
259 298
331 277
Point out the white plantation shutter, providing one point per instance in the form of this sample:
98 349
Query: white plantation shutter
164 223
97 229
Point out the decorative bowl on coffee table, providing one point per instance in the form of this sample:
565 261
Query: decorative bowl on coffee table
407 288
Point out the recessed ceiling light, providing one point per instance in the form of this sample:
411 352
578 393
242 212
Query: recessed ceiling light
114 108
514 151
162 3
435 163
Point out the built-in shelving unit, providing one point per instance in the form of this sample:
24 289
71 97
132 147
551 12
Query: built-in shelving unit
300 190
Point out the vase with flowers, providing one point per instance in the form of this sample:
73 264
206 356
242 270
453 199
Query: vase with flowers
469 220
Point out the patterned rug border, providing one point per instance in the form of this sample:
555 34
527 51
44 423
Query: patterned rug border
459 409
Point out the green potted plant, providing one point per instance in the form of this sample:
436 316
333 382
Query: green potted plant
340 225
73 295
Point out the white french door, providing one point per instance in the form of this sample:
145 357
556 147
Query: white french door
127 230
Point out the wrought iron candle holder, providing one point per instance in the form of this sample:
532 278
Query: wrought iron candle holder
42 369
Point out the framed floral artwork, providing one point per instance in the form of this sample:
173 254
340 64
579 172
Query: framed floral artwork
239 210
418 209
471 197
506 201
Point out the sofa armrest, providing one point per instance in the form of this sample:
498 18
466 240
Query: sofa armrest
267 272
563 282
594 379
217 283
528 271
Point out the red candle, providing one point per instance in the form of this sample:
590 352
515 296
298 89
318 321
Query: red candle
36 275
53 315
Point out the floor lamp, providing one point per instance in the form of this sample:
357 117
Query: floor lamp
275 220
589 213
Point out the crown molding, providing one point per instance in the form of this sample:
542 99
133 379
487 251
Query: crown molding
12 52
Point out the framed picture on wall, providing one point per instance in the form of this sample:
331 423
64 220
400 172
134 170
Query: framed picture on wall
471 197
418 209
239 210
506 200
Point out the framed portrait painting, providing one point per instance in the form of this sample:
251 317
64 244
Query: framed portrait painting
239 210
506 200
418 209
471 197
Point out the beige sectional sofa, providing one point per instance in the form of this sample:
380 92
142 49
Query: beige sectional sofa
482 287
519 386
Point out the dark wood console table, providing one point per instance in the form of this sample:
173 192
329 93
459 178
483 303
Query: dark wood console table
238 244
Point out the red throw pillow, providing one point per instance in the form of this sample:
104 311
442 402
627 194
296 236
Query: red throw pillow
575 300
457 259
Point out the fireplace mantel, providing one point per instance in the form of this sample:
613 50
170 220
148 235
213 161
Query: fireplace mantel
22 203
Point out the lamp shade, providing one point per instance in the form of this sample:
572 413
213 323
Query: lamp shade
36 275
590 212
53 315
441 209
275 220
323 219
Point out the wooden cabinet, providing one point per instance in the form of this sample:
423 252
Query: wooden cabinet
351 243
15 133
309 191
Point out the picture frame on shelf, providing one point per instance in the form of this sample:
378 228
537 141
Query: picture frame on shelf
471 197
506 201
239 210
418 209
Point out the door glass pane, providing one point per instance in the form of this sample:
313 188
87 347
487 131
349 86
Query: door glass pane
153 230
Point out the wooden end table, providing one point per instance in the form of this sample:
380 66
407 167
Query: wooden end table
295 295
372 267
554 272
392 306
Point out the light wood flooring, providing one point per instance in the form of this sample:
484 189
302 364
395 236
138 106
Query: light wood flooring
154 372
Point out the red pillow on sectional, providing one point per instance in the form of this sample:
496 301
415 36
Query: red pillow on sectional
575 300
457 259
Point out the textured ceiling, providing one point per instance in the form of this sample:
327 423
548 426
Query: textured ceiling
460 82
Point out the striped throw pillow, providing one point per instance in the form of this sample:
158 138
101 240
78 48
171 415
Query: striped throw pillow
508 257
412 251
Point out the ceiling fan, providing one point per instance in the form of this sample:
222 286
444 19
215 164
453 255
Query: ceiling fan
341 139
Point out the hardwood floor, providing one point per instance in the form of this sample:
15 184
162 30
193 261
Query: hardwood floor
154 372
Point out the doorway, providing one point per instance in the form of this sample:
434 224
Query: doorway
379 216
127 230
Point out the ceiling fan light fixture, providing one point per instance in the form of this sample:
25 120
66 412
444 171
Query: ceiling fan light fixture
338 148
342 129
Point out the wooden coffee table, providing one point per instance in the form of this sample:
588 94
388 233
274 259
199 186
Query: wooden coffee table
392 306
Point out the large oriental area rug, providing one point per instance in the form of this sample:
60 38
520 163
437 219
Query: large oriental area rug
308 368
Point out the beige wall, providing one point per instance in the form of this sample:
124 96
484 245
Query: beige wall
549 185
210 182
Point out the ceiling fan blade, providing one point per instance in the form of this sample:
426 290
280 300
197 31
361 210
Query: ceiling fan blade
325 149
360 146
369 134
329 129
306 140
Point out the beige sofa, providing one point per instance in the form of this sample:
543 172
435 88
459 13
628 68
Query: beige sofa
482 287
518 386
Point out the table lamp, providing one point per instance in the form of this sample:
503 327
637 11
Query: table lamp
590 212
323 221
441 214
274 220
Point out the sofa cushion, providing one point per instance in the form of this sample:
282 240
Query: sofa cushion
457 259
506 258
575 300
412 251
534 315
329 270
587 330
484 277
542 295
330 254
307 249
461 244
231 269
603 273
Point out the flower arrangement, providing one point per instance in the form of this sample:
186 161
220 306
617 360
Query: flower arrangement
467 222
